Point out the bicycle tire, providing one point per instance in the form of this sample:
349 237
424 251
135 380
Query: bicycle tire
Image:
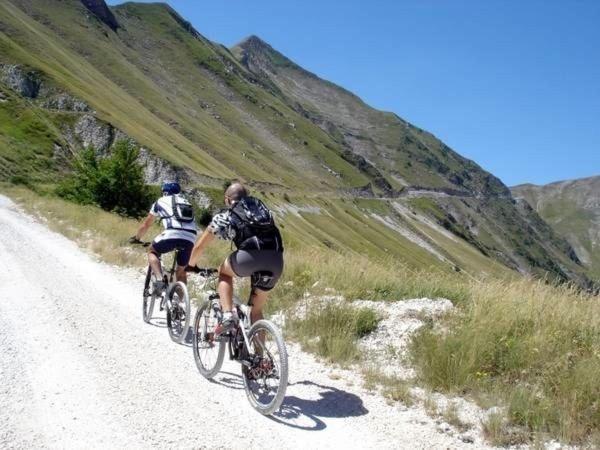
178 327
207 370
273 404
147 298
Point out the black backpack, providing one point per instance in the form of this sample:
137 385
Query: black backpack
182 209
254 225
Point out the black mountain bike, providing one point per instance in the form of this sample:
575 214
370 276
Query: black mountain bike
173 298
258 347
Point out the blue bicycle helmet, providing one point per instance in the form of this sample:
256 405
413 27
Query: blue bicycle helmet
171 188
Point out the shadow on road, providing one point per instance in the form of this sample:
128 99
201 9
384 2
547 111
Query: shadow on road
228 379
160 322
305 410
306 413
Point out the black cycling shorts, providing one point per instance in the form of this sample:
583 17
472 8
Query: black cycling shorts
263 266
168 245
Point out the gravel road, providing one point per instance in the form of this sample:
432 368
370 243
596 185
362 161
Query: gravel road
80 369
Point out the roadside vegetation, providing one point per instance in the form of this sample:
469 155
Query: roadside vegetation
530 348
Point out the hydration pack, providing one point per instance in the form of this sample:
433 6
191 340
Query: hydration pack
254 225
182 209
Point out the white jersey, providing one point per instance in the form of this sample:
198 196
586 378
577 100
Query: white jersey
174 229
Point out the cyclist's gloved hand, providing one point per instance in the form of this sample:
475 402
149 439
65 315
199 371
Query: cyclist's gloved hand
134 240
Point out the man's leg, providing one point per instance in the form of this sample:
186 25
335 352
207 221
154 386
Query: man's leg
259 298
181 274
225 287
155 263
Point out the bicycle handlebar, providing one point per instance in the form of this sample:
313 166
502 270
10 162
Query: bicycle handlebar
134 241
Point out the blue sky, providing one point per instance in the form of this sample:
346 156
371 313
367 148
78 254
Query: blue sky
513 85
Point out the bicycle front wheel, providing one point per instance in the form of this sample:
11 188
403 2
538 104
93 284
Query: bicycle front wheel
208 350
266 377
147 297
178 312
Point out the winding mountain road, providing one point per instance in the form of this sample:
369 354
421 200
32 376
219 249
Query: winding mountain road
80 369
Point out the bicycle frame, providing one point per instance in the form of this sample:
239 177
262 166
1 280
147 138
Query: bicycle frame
244 313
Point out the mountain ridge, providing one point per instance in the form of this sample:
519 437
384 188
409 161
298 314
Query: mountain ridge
572 208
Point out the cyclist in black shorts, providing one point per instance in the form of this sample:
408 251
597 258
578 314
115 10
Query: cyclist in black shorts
259 255
177 217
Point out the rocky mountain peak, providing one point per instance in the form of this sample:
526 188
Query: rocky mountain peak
102 12
254 42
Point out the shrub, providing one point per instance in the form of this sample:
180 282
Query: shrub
115 183
203 216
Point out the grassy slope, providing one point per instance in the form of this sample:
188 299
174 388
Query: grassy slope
145 80
27 135
34 44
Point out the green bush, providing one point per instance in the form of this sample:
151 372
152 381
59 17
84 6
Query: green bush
203 216
115 183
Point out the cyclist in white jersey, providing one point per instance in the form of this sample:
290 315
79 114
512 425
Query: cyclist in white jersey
176 216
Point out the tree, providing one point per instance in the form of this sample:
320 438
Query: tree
115 183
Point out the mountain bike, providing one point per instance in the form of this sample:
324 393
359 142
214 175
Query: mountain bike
258 347
173 298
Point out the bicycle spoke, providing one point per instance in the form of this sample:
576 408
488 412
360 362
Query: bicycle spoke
208 351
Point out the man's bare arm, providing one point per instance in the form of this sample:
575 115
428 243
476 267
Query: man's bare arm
206 238
145 226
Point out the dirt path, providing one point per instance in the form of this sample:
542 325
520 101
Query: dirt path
79 369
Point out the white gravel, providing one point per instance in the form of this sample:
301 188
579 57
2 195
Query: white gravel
387 346
80 369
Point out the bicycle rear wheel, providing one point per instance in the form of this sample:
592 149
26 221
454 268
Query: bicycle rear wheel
208 351
178 312
266 378
147 297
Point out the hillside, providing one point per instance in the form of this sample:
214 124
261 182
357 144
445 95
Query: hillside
572 208
77 73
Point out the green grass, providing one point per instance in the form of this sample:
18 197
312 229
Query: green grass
26 141
534 347
332 330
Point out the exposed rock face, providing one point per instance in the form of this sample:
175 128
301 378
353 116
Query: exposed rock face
25 83
198 197
91 132
102 12
66 102
158 171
